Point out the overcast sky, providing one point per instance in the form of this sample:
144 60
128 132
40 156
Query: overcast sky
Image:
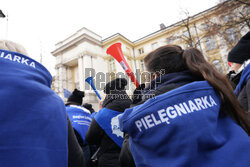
39 24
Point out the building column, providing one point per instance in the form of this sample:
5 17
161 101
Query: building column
62 77
57 80
90 96
86 64
81 73
69 79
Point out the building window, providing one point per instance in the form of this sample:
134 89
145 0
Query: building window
227 19
170 40
141 51
218 65
248 10
112 65
232 35
210 43
204 26
154 45
142 65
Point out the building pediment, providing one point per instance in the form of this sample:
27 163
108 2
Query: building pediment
81 35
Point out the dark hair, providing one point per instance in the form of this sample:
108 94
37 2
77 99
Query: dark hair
193 60
173 62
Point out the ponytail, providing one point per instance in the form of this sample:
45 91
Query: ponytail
199 67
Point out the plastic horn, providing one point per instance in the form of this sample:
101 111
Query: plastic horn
116 52
89 80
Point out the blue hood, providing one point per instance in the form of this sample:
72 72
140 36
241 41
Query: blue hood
184 127
33 118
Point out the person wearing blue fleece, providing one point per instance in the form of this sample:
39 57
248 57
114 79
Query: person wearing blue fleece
194 119
80 118
33 118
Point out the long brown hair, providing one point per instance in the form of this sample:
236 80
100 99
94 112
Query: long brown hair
198 66
173 59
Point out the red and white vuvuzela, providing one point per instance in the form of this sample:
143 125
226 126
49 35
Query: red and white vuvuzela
116 52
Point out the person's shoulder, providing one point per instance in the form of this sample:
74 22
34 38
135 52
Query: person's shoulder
77 107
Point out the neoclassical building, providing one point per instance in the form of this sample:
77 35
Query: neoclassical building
85 50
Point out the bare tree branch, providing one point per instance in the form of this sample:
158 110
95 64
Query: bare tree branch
245 3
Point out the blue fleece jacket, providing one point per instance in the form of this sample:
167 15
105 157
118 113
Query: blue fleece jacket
80 119
184 127
33 123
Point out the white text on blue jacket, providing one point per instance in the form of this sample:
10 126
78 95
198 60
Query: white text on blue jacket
174 111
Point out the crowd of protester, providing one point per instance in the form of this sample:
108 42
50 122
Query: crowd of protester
197 116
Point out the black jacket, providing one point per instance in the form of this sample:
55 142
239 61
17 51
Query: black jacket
96 135
244 96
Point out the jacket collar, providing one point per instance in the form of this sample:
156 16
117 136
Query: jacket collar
178 78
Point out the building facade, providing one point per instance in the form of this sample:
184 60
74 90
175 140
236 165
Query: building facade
83 54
